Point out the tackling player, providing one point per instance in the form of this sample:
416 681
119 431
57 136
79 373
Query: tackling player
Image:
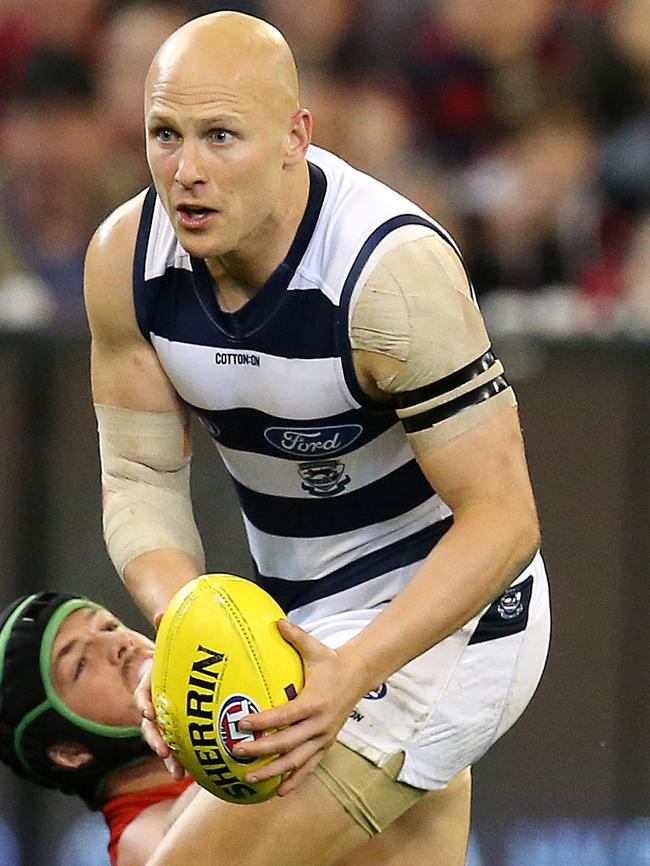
68 718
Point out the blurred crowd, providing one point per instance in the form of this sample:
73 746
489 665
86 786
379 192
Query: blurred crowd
521 125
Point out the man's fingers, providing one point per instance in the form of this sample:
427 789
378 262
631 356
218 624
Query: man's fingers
142 692
148 725
293 761
174 766
279 717
309 647
152 736
296 778
281 741
156 743
143 703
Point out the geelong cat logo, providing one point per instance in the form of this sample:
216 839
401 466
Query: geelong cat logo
308 442
323 477
510 604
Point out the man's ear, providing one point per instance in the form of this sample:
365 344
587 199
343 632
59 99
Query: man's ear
299 137
71 756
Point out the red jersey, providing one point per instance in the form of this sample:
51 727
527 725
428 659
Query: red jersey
120 811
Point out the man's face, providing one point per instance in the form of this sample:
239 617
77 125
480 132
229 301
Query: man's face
216 154
96 664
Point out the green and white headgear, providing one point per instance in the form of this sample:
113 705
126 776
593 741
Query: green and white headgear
33 717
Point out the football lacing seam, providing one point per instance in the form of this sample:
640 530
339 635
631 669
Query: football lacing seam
245 632
162 706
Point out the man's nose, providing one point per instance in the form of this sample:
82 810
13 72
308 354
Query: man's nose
116 645
190 170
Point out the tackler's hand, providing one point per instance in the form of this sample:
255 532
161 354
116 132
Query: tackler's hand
304 728
148 725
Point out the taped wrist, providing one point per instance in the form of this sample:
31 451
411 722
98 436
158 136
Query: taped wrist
146 483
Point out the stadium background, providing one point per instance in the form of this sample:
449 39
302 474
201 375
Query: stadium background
523 126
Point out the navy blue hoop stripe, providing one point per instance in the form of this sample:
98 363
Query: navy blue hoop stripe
247 429
388 497
189 323
142 292
291 594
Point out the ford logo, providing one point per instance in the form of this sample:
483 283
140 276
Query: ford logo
312 441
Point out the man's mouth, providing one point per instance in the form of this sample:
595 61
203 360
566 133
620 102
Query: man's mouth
194 216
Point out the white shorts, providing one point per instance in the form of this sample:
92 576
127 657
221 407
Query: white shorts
445 708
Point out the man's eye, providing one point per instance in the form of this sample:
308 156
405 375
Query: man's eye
111 625
220 136
165 135
81 664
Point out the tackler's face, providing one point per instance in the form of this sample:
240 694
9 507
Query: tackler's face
96 664
217 135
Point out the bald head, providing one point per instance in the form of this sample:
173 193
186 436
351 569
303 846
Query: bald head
227 140
239 54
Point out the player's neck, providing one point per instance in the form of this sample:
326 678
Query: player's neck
240 274
149 774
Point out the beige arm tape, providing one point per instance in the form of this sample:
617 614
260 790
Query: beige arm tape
416 307
146 481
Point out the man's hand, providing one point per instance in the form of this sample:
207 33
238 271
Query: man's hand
149 727
308 724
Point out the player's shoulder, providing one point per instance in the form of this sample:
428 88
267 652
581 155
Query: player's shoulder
428 260
116 236
362 214
108 277
352 194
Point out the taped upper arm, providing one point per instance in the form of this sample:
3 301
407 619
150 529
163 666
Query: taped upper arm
424 343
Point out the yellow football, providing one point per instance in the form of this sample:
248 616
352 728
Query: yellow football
219 656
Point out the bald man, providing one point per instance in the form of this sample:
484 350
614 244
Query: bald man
324 330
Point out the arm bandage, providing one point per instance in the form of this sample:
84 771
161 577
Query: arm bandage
146 481
417 307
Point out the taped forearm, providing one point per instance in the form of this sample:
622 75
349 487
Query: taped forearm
146 482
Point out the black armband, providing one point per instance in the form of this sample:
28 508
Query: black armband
415 409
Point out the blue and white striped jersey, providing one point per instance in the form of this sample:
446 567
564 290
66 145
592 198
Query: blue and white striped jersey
337 511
